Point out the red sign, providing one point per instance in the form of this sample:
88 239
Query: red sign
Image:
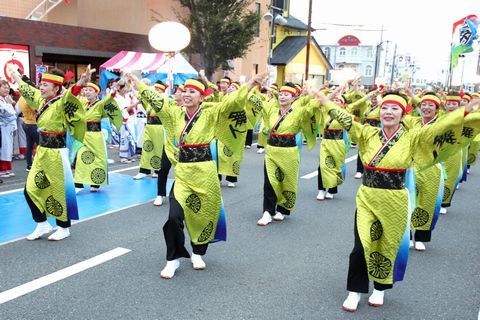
349 41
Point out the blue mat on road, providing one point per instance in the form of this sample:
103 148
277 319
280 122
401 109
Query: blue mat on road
16 220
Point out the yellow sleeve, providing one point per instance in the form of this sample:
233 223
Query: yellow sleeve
74 115
31 94
439 140
111 110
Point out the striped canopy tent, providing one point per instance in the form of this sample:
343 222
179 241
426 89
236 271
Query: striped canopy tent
154 66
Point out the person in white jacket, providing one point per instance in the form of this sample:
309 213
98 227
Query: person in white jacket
8 125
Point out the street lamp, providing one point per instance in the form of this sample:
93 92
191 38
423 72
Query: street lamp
274 16
169 37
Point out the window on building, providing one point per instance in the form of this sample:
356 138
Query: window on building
369 52
354 51
342 52
257 10
368 71
327 52
280 4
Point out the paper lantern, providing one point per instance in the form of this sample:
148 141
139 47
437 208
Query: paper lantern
169 36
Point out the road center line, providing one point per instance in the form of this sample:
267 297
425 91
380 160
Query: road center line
315 173
60 274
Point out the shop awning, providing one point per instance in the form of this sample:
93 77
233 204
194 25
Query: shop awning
154 66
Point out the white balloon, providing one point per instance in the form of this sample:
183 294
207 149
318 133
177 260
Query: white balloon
169 36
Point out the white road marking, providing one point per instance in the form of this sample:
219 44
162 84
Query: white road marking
60 274
124 169
11 191
315 173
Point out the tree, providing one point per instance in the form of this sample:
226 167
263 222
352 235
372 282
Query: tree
221 30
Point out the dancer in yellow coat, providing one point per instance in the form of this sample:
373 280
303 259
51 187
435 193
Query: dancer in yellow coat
285 118
196 196
382 217
91 161
50 189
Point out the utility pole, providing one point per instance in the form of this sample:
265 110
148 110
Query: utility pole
377 56
309 38
393 64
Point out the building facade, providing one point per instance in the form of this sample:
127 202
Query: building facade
348 52
71 34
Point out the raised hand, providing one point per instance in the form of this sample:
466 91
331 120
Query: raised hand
473 105
85 77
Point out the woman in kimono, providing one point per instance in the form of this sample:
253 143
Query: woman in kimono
152 141
196 197
429 181
453 165
91 161
8 125
50 190
382 216
285 118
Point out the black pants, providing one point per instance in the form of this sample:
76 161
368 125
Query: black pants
163 175
228 178
359 164
40 216
31 133
270 198
422 235
320 183
173 233
249 137
357 280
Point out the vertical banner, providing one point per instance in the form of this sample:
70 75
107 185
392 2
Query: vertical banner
39 70
463 34
13 54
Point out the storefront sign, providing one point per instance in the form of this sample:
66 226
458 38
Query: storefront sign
13 54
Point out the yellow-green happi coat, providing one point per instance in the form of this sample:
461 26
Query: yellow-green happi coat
50 181
91 165
196 188
153 142
282 163
429 185
332 152
383 213
231 136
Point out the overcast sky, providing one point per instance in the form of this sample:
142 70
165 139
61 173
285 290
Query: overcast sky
420 27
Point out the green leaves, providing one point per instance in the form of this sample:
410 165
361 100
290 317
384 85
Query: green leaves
221 30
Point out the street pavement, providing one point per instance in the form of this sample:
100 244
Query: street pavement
295 269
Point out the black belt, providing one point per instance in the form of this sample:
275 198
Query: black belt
383 179
94 126
55 141
283 141
373 122
153 120
194 153
333 134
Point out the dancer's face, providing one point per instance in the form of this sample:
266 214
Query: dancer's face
451 106
428 109
178 97
285 98
391 115
192 98
89 93
48 90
